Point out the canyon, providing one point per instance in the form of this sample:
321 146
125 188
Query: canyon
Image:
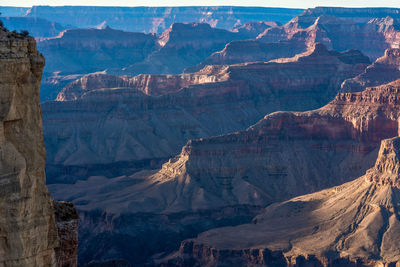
227 179
200 136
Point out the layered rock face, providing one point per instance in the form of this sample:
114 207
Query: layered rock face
28 233
371 37
242 51
383 70
370 33
120 130
82 51
253 29
158 19
149 84
89 50
184 45
353 224
38 27
358 15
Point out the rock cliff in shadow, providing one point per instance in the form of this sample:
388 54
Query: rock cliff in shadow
354 224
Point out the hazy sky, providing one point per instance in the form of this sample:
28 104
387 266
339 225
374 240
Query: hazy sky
268 3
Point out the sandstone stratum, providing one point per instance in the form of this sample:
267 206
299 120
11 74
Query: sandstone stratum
28 229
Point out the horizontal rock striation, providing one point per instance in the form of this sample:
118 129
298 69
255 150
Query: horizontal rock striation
28 233
149 84
127 127
385 69
89 50
183 45
158 19
355 224
37 27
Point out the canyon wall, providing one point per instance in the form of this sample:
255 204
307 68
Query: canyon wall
28 233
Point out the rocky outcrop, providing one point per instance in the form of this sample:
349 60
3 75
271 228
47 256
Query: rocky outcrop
67 228
183 45
383 70
158 19
118 131
242 51
28 233
371 37
90 50
353 224
149 84
253 29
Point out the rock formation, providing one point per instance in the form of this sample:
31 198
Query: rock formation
158 19
28 233
82 51
67 229
339 33
149 84
253 29
89 50
183 45
371 38
383 70
353 224
118 131
37 27
243 51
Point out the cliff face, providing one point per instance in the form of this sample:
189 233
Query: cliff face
28 232
253 29
370 33
242 51
125 129
90 50
353 224
383 70
38 27
149 84
183 45
371 37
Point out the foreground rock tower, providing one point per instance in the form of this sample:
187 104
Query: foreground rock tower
28 232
